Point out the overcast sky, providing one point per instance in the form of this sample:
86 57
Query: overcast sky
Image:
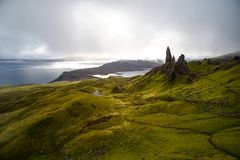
118 28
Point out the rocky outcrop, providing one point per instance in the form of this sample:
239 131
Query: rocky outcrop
181 66
171 68
168 56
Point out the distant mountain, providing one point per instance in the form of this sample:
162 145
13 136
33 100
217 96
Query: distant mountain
113 67
228 56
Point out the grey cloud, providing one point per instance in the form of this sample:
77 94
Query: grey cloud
115 28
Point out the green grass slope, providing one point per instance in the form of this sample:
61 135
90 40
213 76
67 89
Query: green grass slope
146 119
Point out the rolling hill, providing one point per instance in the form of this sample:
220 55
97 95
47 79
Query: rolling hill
148 117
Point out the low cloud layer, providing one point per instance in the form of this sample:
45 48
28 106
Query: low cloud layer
118 29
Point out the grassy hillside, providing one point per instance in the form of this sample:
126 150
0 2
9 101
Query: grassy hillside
142 118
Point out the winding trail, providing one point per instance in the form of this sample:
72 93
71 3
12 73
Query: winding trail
96 93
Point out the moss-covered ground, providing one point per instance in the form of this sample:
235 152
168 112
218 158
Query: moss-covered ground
148 119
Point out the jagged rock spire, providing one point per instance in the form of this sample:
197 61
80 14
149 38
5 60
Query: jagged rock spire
181 66
181 58
172 69
168 55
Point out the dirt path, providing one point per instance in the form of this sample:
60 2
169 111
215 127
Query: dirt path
96 93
